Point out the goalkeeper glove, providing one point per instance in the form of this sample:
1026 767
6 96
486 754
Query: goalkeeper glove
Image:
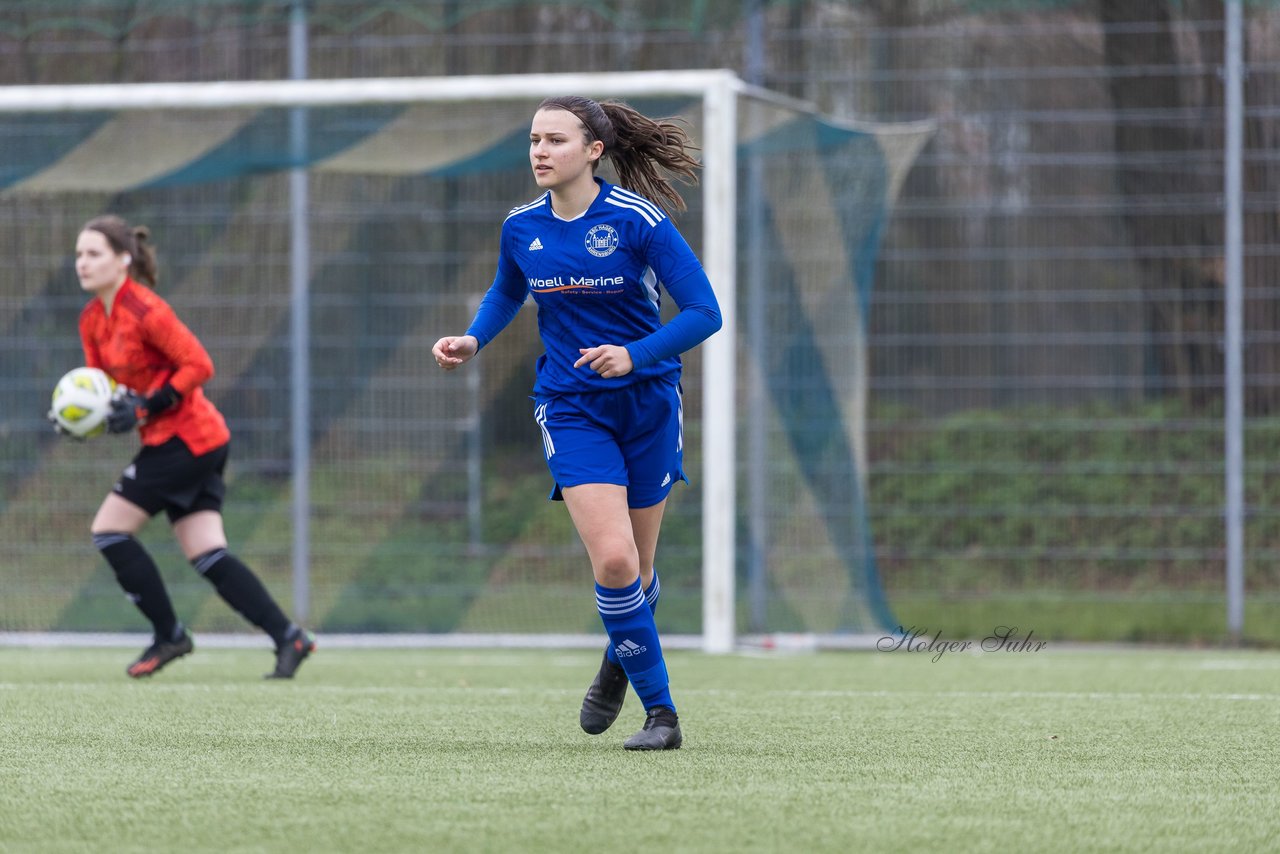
123 416
130 407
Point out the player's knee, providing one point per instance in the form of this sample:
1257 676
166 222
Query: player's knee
618 569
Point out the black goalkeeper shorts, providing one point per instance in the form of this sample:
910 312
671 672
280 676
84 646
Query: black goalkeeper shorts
169 477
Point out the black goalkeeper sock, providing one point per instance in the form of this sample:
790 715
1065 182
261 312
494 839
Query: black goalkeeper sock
138 576
244 592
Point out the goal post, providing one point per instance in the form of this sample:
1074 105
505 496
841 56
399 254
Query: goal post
820 245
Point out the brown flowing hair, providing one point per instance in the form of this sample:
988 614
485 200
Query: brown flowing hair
640 148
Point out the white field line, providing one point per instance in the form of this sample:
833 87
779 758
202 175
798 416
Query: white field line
359 690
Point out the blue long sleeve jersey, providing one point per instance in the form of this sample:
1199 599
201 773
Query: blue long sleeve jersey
596 280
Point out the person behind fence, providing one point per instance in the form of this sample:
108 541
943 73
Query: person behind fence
133 335
607 397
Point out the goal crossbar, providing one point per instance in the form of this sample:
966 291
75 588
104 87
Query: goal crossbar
385 90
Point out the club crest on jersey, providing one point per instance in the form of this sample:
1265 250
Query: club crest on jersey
602 240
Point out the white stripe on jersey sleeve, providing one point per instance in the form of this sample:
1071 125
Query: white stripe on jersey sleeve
534 204
648 217
636 198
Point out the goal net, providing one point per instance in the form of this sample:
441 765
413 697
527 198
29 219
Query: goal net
319 236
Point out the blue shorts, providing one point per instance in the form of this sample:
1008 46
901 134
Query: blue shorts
632 436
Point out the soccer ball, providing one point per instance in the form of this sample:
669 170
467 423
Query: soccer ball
82 401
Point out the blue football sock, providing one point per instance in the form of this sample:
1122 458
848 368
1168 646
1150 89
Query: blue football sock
651 595
634 637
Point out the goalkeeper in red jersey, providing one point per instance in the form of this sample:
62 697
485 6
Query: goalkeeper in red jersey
133 335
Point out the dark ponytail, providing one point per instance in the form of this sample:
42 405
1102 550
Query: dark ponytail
640 148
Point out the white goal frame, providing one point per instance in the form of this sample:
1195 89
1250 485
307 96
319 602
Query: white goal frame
718 90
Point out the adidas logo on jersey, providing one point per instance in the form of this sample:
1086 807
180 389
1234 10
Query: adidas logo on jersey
666 479
628 648
536 244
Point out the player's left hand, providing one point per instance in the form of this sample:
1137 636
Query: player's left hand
607 360
124 412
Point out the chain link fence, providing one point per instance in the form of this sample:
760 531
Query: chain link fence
1044 435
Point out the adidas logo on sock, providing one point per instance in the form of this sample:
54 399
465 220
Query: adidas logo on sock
536 244
628 648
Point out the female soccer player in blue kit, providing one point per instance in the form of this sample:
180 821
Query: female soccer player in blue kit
607 394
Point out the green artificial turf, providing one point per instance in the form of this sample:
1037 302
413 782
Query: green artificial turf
1073 750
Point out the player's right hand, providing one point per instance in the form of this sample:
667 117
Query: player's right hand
452 350
124 415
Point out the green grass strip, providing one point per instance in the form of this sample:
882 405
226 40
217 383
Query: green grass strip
1115 749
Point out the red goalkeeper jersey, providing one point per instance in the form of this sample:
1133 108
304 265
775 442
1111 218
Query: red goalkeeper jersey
143 345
